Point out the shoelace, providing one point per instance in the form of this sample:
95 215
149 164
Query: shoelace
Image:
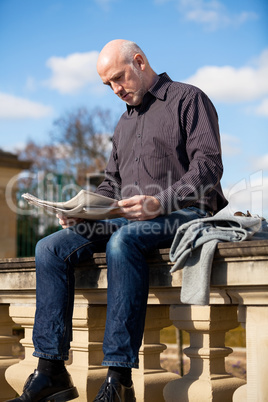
108 393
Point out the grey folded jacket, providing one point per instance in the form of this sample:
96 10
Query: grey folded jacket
193 250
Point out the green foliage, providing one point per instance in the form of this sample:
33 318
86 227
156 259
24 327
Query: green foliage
234 338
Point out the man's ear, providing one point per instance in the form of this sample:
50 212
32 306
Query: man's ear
139 61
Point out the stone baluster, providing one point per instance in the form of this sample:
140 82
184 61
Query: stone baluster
150 378
17 374
207 379
255 319
86 350
7 341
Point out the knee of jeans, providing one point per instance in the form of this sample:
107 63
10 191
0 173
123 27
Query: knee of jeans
47 243
40 250
117 243
40 245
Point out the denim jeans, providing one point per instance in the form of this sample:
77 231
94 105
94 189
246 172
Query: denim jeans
126 244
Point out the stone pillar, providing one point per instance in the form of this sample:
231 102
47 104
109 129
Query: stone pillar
256 389
7 340
86 350
150 378
207 379
17 374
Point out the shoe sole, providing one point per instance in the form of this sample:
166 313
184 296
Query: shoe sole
62 396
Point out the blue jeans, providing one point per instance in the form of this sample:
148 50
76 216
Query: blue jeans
126 243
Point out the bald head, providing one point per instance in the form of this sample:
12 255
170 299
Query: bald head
123 49
124 67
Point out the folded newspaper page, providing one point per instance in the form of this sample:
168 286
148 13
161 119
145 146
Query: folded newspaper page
85 204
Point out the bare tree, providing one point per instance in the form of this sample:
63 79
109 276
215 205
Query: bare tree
79 144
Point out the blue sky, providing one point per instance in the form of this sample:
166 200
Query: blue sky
48 53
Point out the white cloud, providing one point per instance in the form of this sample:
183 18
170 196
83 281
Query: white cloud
72 73
261 163
229 84
14 148
30 84
262 109
104 4
212 14
13 107
230 145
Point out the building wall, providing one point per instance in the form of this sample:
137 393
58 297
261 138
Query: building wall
10 166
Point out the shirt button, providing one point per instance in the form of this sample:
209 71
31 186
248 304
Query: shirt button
135 183
136 159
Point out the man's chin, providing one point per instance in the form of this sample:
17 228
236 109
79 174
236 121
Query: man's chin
133 102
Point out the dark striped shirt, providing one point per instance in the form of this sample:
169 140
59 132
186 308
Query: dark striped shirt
168 147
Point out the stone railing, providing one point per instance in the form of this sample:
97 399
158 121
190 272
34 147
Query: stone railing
239 286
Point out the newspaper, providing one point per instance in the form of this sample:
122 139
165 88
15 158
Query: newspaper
85 204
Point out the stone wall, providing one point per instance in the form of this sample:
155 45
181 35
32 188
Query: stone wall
10 166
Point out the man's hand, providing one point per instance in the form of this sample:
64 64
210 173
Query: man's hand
66 222
140 207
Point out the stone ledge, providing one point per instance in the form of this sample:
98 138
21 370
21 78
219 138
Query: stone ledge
229 259
239 276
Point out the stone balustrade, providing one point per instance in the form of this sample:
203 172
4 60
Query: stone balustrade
239 285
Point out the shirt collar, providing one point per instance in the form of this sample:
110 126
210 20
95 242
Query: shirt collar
158 90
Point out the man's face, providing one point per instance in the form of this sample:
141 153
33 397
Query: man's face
125 80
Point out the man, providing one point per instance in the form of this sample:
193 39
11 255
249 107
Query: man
164 170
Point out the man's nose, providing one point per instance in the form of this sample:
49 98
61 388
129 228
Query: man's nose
117 88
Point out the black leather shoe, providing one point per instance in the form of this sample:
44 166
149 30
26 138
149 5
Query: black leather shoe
42 388
113 391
